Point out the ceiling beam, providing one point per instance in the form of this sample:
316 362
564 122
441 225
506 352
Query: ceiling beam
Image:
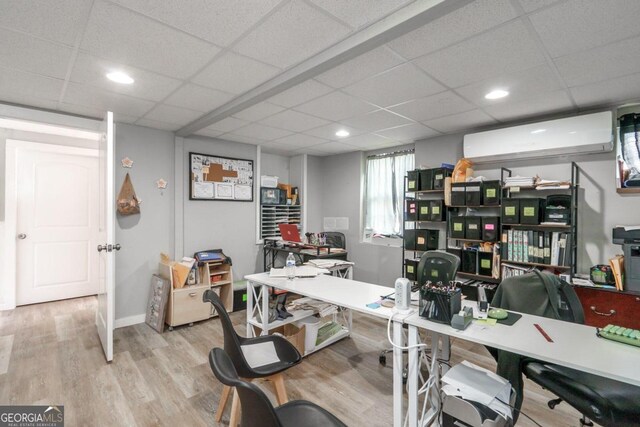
403 21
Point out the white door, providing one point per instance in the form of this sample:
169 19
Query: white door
57 223
106 308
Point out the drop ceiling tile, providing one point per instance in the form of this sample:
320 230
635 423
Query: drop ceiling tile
92 71
234 73
119 35
543 104
103 100
294 32
376 120
465 22
328 132
408 133
603 63
258 111
294 121
23 87
506 49
59 20
228 124
531 5
276 149
335 106
154 124
209 132
170 114
334 148
27 53
217 21
299 140
434 106
578 25
361 67
298 94
370 141
241 138
94 112
459 122
616 91
198 98
258 131
358 13
31 101
402 83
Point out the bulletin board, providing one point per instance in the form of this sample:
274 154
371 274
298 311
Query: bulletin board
220 178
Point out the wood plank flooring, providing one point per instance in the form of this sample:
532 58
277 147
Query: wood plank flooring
50 354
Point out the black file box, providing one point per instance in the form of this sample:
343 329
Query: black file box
558 209
426 179
456 227
490 228
411 210
433 238
413 180
491 193
458 193
424 213
439 174
439 304
531 211
469 262
410 240
426 240
511 211
473 227
411 269
485 263
437 210
472 193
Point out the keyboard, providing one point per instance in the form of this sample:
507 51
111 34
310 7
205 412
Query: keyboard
620 334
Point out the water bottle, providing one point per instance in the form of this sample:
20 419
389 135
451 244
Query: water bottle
290 266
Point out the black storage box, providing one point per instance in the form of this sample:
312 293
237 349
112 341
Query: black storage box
411 269
424 213
473 195
473 227
490 228
413 180
485 263
491 193
438 304
410 240
426 240
469 262
558 209
411 210
531 211
439 174
272 196
239 298
511 211
426 179
437 210
470 290
456 227
458 193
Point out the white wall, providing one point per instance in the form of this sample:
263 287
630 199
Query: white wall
274 165
314 202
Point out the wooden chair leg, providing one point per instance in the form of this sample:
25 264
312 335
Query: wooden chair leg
281 392
223 402
234 418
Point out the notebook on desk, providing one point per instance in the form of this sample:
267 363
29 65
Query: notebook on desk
289 232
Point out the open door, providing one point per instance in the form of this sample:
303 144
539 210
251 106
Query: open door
106 310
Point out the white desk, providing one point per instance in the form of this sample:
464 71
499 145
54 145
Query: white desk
350 294
575 346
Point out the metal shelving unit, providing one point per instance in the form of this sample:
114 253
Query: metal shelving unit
272 215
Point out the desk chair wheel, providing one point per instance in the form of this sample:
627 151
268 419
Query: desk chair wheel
170 328
383 359
584 421
553 403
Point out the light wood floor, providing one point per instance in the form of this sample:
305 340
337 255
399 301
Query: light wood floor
50 354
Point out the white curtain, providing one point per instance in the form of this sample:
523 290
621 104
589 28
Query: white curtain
384 192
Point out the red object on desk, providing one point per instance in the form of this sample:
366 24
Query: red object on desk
289 232
542 331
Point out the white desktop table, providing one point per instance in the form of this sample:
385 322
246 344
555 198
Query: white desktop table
350 294
574 346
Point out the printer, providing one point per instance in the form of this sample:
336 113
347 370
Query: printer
629 238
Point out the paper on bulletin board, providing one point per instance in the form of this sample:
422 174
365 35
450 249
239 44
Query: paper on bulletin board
203 190
242 192
224 190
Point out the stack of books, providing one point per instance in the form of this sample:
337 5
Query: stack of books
520 181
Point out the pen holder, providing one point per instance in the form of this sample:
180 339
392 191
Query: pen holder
440 304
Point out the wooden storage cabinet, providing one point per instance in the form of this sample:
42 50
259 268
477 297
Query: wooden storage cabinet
599 303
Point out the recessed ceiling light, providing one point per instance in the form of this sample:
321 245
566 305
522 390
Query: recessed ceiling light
538 131
497 94
120 77
342 133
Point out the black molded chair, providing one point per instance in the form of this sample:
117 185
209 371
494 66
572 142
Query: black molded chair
240 349
258 410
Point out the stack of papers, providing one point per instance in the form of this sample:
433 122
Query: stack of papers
320 307
519 181
300 271
329 263
546 184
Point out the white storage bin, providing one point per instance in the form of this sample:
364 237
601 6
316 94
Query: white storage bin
268 181
311 324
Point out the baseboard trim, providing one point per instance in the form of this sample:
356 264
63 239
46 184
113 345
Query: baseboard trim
131 320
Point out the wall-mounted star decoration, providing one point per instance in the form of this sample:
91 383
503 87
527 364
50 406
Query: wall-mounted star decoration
127 162
161 183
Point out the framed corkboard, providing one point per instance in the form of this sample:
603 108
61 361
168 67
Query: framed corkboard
220 178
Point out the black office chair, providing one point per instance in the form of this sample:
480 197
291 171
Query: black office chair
257 409
434 266
335 239
608 402
238 348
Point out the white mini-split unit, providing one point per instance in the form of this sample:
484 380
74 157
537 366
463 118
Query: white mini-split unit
591 133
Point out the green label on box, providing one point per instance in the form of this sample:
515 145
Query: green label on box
434 273
529 211
244 297
457 226
491 192
424 210
510 210
435 210
409 268
412 184
439 176
485 263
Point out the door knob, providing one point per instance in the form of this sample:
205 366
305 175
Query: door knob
117 246
22 236
102 247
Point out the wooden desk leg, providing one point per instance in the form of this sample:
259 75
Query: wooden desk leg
223 402
281 392
234 418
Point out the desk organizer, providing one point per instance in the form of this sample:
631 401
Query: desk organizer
439 303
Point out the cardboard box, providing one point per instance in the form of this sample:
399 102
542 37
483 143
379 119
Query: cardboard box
292 333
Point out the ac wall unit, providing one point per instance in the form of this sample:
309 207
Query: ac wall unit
591 133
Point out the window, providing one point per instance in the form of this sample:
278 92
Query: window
384 186
629 150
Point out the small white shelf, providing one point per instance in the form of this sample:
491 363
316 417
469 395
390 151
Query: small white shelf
296 315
